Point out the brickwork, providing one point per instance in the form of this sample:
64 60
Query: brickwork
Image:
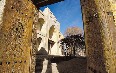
99 29
15 37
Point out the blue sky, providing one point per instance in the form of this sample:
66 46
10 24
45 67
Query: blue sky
68 13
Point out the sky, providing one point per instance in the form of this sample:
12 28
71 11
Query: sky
68 13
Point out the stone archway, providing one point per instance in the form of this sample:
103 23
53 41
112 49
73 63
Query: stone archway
40 24
51 31
52 39
39 42
98 26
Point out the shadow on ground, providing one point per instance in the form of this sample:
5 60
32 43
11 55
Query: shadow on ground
74 65
61 64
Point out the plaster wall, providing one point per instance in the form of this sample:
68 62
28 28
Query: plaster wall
49 32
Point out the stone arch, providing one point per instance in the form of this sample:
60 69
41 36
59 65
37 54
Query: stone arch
52 41
41 22
51 31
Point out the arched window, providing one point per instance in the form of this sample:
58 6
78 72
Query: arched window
51 31
40 23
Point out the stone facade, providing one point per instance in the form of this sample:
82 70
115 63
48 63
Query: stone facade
99 36
48 33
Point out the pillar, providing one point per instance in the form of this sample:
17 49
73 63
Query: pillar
16 36
98 27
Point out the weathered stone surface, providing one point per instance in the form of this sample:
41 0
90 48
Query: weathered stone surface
15 36
99 31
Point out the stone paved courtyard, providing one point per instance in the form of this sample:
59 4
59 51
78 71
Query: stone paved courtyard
62 65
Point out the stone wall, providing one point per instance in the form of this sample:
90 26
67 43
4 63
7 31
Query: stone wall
113 9
16 53
99 32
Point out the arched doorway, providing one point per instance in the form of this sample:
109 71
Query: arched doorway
52 39
39 41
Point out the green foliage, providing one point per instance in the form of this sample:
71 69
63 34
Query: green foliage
74 40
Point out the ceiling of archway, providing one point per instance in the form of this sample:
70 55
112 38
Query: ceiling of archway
41 3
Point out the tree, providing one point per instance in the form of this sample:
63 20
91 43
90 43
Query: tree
74 38
73 31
